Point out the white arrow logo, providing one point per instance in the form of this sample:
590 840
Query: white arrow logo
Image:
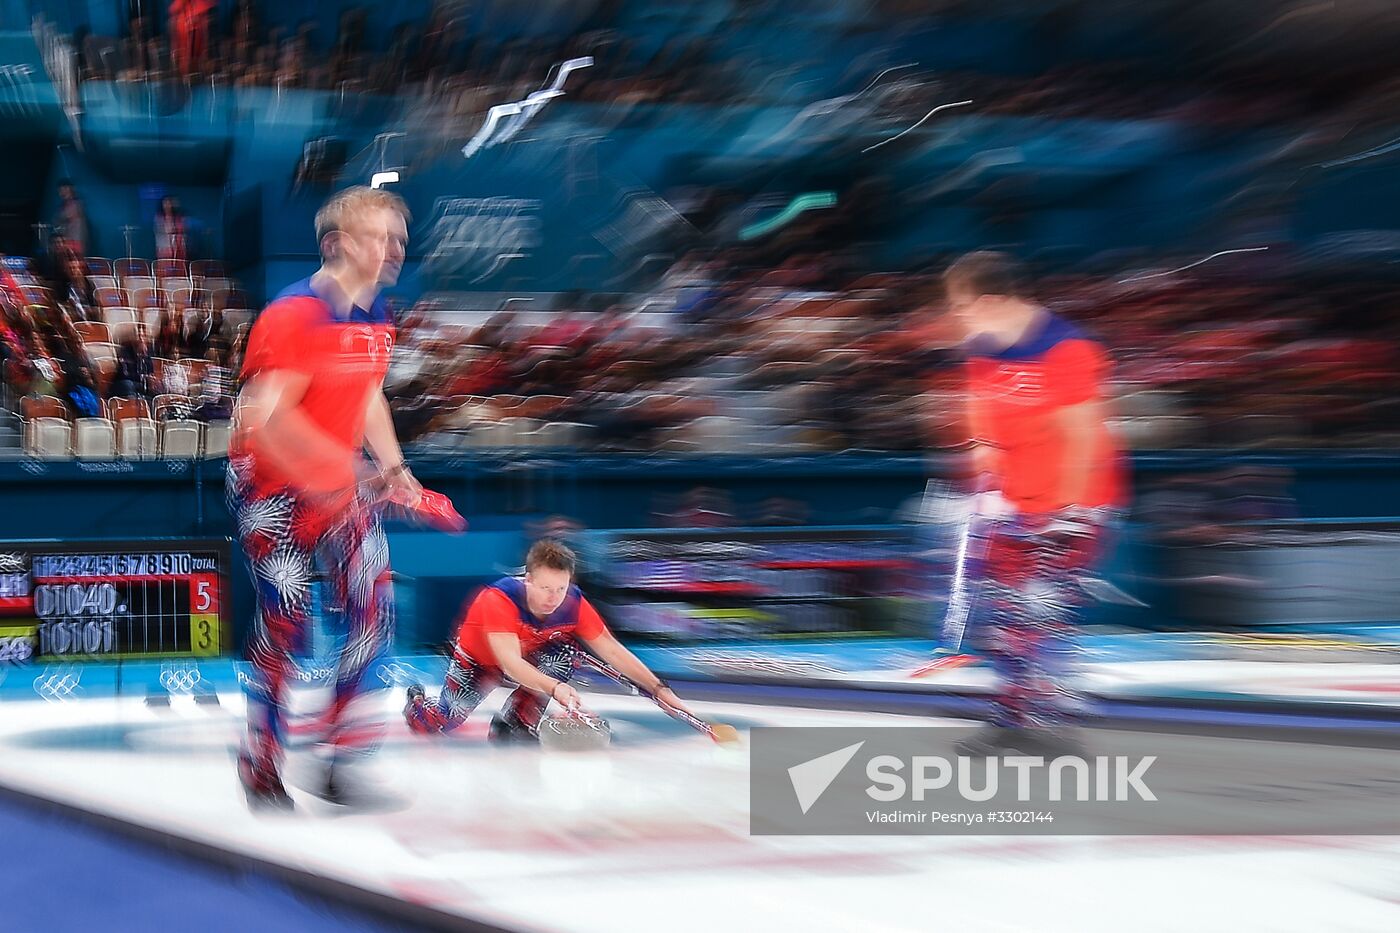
811 778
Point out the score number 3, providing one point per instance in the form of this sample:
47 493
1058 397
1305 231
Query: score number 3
204 615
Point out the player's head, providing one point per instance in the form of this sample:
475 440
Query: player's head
549 570
364 230
984 289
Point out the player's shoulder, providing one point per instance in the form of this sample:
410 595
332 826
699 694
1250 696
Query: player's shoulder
293 309
496 591
1065 339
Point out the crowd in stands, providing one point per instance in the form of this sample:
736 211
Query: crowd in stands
775 349
197 44
793 359
86 340
703 60
797 358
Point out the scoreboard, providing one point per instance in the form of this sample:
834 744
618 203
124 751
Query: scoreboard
112 599
710 584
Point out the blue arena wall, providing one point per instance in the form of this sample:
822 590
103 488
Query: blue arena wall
505 498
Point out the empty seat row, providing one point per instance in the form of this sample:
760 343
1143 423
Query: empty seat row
160 268
130 439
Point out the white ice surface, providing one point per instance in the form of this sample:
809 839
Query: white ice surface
653 835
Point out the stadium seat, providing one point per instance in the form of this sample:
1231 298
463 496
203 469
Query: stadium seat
143 298
171 269
36 295
125 330
237 317
216 437
97 266
184 298
136 439
94 439
93 332
98 351
133 282
116 316
225 298
51 439
175 402
120 409
103 281
126 268
42 406
111 297
180 440
206 268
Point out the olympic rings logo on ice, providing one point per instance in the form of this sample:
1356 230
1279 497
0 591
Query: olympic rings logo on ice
58 686
178 467
180 679
396 674
33 466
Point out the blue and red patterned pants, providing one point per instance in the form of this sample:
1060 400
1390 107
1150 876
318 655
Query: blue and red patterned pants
469 682
287 541
1030 596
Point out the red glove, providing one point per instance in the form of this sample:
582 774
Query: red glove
436 510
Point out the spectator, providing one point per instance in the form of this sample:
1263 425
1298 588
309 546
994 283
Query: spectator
79 387
169 341
220 336
189 30
71 222
170 230
74 289
215 393
197 329
134 377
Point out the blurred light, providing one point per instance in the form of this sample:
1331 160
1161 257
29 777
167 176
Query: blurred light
799 204
380 179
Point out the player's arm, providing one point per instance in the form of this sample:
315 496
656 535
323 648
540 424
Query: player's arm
606 646
1080 427
271 422
506 647
1075 373
983 457
383 444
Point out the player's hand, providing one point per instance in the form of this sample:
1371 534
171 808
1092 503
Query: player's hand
402 487
567 697
668 696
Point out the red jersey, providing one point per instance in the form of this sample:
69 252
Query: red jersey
501 607
345 358
1014 395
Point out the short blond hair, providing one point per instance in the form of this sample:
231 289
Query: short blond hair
337 213
551 554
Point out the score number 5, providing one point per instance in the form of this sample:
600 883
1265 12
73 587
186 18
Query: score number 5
202 597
